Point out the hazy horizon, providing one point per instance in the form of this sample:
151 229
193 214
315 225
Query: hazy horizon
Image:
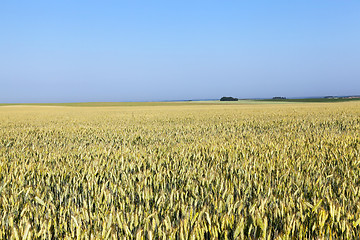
183 100
87 51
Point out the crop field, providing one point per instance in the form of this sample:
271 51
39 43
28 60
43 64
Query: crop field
188 171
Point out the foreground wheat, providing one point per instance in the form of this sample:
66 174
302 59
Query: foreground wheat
185 172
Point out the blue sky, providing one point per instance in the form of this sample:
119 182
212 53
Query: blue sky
66 51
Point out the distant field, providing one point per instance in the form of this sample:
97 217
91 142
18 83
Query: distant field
324 100
102 104
240 102
187 170
133 104
181 103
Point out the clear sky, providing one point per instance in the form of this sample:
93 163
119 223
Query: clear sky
72 50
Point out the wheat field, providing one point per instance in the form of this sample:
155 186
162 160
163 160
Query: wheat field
264 171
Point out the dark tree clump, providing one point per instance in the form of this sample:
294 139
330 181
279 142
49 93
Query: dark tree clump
228 99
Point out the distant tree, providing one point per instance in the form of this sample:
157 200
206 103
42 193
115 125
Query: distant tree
277 98
228 99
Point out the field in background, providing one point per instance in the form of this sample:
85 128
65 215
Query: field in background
191 171
183 103
134 104
312 100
